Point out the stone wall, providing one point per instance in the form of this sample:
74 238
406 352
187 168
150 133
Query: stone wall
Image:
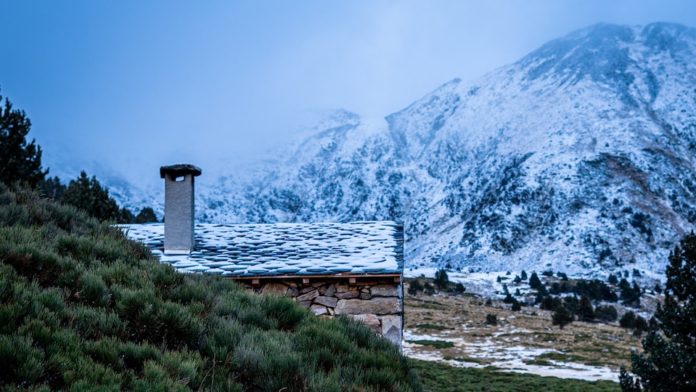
377 303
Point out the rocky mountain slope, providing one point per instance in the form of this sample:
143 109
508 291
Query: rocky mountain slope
580 157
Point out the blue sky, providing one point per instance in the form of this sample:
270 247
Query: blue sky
125 86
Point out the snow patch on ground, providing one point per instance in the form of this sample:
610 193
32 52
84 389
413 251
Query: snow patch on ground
490 352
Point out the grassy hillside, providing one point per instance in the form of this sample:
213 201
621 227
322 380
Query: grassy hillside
81 306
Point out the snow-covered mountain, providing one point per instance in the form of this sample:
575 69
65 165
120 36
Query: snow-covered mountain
580 157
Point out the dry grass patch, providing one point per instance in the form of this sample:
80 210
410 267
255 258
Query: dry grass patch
464 317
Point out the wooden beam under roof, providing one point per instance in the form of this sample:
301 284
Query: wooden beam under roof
351 278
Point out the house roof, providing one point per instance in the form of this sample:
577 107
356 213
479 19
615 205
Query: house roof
266 250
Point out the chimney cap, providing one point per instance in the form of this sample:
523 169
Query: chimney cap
180 169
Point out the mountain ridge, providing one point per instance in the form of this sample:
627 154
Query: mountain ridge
578 157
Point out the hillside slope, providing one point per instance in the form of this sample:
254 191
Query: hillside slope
579 157
81 308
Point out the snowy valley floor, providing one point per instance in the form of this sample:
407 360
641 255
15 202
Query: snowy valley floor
451 329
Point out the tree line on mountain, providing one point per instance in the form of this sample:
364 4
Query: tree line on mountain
567 308
571 300
20 166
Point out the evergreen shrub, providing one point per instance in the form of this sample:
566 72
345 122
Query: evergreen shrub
83 308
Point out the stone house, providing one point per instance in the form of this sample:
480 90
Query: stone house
353 269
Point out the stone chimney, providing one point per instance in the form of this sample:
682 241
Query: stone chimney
178 207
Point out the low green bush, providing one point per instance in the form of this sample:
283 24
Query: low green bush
81 307
491 319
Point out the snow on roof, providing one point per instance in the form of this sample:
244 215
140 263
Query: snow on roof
283 248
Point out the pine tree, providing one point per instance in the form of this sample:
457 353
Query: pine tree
562 317
571 303
125 216
52 188
630 294
606 313
539 297
88 194
641 325
585 310
516 306
415 287
613 279
668 362
146 215
441 279
523 275
636 290
550 303
20 161
628 320
534 281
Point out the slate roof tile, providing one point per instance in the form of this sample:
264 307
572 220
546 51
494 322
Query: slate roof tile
283 248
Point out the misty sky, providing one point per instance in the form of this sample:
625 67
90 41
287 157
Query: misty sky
126 86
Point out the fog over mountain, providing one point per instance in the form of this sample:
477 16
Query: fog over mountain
579 157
